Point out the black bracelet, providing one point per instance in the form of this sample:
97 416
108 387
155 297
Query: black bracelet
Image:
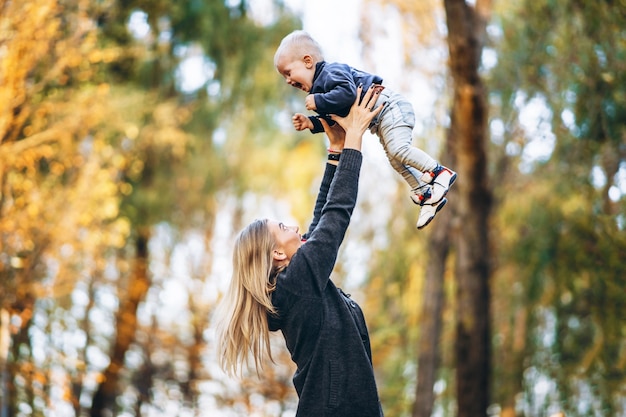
334 156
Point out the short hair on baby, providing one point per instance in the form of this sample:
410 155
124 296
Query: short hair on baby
298 44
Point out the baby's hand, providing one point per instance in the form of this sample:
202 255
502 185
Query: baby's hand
301 122
309 102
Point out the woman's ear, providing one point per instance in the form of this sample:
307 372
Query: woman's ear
279 256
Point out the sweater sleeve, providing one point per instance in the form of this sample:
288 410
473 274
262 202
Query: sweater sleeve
318 127
327 179
311 266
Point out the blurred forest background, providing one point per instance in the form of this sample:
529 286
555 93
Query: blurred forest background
123 183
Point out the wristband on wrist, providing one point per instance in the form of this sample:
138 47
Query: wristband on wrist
333 150
334 156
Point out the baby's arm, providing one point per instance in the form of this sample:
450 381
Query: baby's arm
301 122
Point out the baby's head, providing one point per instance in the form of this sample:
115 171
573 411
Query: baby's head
296 57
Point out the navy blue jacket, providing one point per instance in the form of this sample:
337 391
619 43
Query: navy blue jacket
324 329
334 86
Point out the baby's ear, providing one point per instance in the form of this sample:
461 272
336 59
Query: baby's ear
308 61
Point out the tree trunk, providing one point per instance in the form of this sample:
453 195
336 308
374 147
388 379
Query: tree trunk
194 352
428 356
430 326
466 28
5 343
513 357
79 374
103 403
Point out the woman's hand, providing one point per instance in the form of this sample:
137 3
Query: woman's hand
361 115
336 135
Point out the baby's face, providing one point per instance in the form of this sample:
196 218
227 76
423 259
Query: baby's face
297 73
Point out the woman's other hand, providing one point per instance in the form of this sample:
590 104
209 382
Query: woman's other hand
336 135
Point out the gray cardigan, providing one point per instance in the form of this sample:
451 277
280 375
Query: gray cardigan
324 329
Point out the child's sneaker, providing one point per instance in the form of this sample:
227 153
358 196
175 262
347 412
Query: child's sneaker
428 212
422 196
440 178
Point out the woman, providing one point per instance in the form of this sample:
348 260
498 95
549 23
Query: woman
281 281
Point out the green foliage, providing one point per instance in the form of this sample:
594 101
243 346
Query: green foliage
560 230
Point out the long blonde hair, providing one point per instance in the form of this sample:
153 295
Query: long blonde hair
298 44
243 327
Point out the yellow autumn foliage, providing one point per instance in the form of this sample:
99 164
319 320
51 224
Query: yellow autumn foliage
60 175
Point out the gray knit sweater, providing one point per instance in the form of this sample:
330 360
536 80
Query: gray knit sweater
324 329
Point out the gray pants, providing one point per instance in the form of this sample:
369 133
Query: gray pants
394 127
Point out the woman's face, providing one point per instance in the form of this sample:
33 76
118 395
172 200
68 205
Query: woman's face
288 240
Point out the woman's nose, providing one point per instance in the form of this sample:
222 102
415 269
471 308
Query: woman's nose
295 228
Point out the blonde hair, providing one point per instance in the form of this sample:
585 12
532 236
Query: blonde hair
243 327
298 44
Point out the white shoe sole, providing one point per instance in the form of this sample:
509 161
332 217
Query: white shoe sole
438 206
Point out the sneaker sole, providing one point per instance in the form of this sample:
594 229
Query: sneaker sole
439 207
